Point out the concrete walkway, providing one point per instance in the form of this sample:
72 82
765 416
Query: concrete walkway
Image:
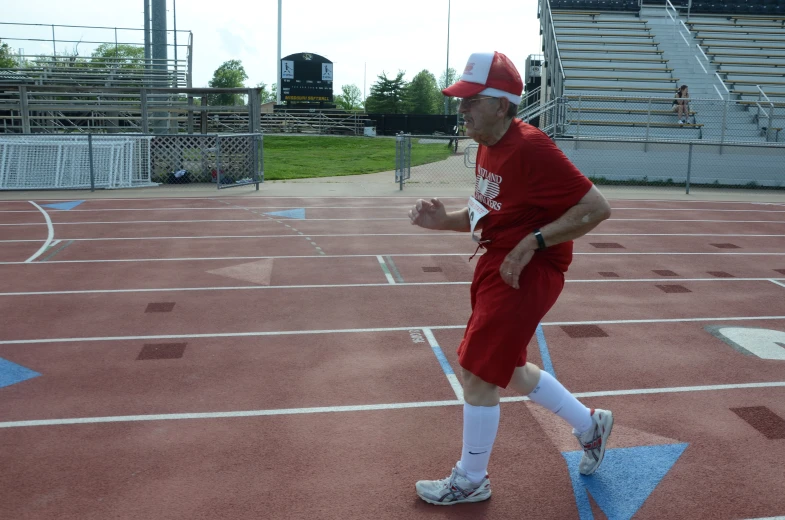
373 185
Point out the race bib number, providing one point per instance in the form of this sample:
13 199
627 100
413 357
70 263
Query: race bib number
476 212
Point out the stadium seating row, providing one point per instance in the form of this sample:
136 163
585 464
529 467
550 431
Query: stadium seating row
760 7
746 7
596 5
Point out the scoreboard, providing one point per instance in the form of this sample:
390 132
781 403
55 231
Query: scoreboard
306 77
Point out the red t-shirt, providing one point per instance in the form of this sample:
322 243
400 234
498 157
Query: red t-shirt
526 182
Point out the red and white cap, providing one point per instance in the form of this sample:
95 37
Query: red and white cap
489 74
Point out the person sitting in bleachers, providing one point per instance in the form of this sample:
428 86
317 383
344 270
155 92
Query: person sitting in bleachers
681 104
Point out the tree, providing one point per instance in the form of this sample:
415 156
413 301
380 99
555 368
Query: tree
350 98
266 97
231 74
7 60
120 56
423 95
445 81
387 95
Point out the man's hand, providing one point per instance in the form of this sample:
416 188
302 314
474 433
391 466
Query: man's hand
429 214
514 263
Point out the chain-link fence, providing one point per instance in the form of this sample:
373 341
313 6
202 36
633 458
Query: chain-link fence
41 161
664 118
614 161
457 169
689 165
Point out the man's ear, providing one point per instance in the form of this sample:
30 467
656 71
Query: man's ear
504 104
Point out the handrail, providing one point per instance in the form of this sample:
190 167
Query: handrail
555 44
708 61
768 115
532 106
83 26
764 94
668 3
722 83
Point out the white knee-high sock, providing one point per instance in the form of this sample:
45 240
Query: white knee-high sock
480 424
552 395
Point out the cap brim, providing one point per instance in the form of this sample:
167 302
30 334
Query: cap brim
463 89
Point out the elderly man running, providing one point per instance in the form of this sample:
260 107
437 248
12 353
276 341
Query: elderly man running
530 202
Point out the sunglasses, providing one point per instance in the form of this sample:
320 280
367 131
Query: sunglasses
469 102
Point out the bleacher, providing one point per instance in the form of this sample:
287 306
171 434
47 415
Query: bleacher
746 53
621 70
595 5
748 7
612 65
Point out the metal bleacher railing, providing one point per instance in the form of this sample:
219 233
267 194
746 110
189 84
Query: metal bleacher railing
118 58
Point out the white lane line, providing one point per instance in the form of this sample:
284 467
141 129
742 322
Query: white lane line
222 237
677 389
369 330
199 221
212 258
224 415
679 235
404 204
361 408
218 208
360 285
88 223
386 270
704 210
381 197
774 280
424 234
695 220
50 234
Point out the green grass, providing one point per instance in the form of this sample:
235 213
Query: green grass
308 157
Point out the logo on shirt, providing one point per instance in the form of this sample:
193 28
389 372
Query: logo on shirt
487 187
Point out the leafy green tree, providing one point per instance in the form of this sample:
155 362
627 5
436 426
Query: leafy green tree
423 95
447 79
121 56
387 95
231 74
264 95
350 98
7 60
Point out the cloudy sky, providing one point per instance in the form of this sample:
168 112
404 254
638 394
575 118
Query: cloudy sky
363 38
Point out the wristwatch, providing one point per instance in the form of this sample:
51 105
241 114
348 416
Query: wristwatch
540 240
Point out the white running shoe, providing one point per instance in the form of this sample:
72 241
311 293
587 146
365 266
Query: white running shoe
455 489
594 441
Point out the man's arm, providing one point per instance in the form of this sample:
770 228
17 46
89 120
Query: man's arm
431 214
592 209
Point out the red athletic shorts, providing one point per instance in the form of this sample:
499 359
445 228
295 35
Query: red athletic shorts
504 319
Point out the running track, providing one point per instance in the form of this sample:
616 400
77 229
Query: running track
295 358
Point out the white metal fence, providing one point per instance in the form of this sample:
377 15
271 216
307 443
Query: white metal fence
42 161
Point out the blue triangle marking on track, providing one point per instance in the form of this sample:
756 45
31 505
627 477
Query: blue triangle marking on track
624 481
63 205
298 213
11 373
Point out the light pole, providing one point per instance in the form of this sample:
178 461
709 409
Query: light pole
447 70
278 87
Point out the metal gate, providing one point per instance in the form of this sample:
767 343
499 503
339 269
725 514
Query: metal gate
403 158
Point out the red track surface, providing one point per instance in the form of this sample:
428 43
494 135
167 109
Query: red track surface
289 357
